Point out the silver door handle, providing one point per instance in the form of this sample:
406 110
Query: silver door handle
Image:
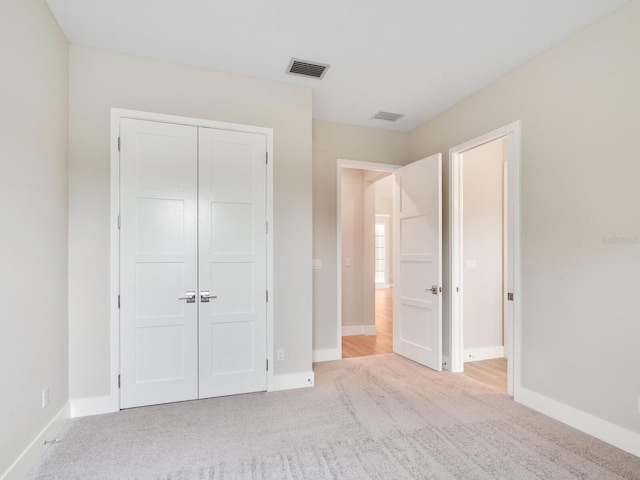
434 289
190 297
205 296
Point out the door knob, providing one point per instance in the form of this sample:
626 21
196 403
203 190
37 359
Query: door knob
190 297
205 296
434 289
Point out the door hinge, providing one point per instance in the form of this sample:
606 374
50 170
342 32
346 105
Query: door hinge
118 381
266 226
267 364
118 301
118 143
267 292
267 155
510 296
118 222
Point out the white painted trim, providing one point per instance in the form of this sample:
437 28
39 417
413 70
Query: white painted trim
446 363
455 263
596 427
484 353
359 330
290 381
507 305
83 407
513 316
116 115
327 355
270 268
114 260
29 457
342 163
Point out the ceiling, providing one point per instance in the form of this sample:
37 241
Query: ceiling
415 57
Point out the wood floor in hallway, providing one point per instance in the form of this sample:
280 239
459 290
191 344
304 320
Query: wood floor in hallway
490 372
382 342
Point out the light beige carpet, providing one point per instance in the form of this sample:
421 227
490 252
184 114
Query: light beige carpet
381 417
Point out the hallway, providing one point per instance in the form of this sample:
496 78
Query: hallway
382 342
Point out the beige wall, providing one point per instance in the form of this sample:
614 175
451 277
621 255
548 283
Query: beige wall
352 199
368 249
33 221
482 191
101 80
333 141
579 104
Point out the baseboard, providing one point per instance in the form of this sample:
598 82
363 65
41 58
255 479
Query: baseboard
359 330
29 457
327 354
83 407
596 427
486 353
292 380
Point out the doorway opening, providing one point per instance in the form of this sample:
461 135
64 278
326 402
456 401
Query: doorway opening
365 276
483 215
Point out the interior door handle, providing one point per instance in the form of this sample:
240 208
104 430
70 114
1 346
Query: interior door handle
434 289
190 297
205 296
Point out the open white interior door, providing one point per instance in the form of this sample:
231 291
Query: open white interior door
417 231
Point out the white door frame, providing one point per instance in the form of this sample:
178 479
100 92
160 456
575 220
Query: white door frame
342 163
114 235
513 331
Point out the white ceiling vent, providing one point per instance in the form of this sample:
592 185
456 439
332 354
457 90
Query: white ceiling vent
388 116
307 68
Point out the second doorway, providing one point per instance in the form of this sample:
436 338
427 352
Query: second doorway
367 276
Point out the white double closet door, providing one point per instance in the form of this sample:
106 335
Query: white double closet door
192 262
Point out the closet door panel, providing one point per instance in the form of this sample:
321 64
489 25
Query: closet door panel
232 248
158 262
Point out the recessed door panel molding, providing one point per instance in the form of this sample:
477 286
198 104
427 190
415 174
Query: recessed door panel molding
233 349
233 266
160 354
417 317
155 287
160 225
233 285
158 262
232 228
232 179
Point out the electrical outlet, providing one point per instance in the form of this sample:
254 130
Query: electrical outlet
280 355
45 397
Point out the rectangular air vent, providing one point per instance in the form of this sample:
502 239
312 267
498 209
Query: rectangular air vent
307 68
388 116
